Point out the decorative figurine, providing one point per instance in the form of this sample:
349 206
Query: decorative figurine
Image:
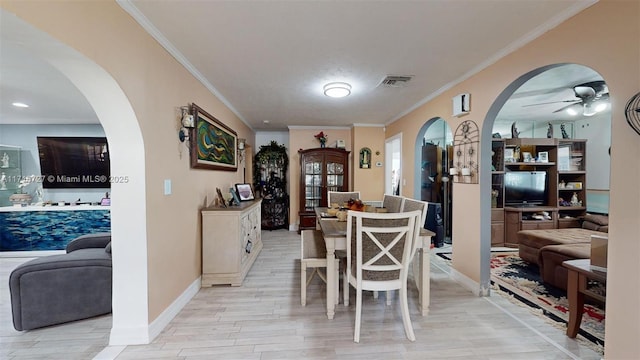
574 200
3 181
5 160
550 131
514 131
564 132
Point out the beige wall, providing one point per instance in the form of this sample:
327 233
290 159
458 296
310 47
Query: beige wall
612 49
155 84
603 37
301 138
370 182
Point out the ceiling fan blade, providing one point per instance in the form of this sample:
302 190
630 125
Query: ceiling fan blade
553 102
565 108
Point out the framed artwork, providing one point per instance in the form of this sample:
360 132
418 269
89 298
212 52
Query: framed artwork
508 155
214 145
526 157
543 156
234 193
245 193
221 198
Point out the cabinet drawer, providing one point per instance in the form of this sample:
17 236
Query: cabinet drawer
497 215
497 234
536 225
308 221
573 223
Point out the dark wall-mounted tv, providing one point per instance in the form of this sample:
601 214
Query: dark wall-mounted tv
74 162
525 188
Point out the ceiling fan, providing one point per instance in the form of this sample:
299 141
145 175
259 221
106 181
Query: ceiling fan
591 98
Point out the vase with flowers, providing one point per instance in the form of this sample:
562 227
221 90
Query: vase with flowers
322 137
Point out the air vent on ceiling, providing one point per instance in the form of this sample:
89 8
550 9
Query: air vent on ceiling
395 81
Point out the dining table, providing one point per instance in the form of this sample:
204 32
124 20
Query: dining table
335 237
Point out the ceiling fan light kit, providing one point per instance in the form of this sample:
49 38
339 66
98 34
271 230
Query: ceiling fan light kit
591 98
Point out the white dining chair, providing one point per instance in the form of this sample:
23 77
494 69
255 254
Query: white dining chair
407 206
392 203
379 247
341 197
313 254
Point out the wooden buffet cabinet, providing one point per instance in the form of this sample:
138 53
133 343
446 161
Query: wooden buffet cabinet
566 175
231 242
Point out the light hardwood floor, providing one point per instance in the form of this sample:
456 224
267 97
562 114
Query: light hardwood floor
263 319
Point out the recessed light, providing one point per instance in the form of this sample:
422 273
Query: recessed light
20 105
265 121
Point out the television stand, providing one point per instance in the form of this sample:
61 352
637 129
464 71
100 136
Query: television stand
524 205
522 218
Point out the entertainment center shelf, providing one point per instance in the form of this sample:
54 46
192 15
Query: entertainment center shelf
536 184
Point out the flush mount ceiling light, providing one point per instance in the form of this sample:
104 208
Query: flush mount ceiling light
337 89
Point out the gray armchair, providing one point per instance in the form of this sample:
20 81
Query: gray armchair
60 288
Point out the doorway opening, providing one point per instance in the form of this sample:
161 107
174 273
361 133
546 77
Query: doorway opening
434 154
552 105
393 164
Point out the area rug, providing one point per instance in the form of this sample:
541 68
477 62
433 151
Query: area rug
521 280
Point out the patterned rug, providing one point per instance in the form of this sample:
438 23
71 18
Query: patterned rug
521 280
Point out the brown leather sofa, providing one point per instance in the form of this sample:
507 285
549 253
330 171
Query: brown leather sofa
549 248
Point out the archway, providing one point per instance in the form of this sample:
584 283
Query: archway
558 96
433 154
128 207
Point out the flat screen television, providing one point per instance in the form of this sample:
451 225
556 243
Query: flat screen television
525 188
74 162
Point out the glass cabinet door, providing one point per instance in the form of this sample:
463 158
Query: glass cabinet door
335 176
313 184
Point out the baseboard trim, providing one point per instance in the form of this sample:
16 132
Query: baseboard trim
467 282
145 334
169 313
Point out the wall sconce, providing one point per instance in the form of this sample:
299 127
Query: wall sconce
241 146
187 122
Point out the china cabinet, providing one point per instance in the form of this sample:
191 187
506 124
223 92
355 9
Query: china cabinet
322 170
10 172
270 180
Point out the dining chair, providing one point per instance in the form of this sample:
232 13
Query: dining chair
313 255
379 248
393 203
412 205
341 197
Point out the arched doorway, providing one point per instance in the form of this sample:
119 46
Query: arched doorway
535 106
128 207
433 154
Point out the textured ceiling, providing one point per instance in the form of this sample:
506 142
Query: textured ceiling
269 60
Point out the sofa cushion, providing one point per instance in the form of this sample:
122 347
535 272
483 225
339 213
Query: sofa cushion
597 219
55 289
551 258
531 241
